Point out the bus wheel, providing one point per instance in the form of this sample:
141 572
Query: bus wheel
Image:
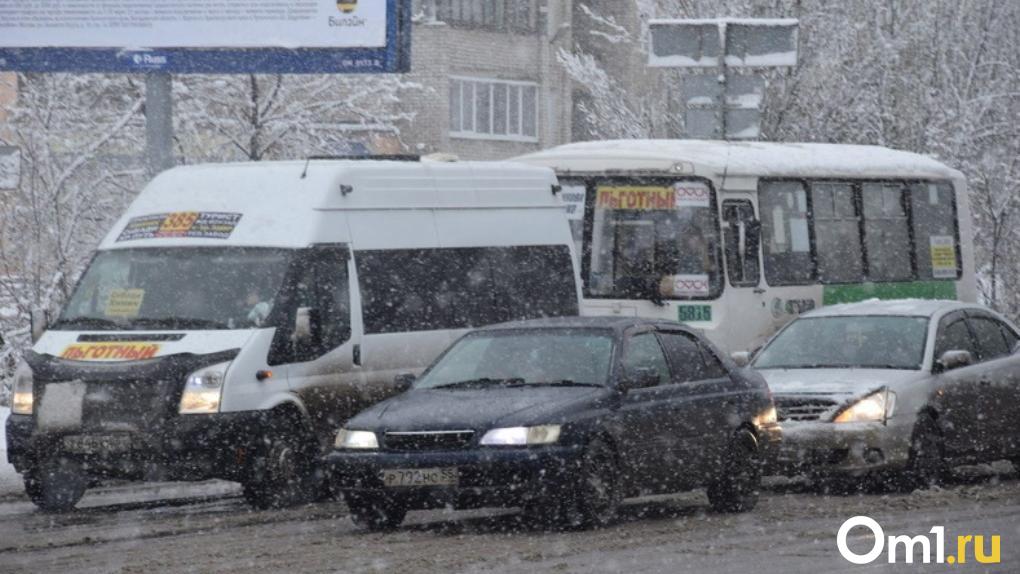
285 471
56 485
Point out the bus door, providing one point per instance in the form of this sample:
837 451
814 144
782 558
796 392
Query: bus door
746 297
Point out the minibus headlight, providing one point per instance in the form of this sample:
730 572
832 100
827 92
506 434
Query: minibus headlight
356 439
876 407
203 390
522 436
21 402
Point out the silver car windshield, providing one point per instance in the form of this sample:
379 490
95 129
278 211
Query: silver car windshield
848 342
524 357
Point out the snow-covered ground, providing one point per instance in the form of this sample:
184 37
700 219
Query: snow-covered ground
10 481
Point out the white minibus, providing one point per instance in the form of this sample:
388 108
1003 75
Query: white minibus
238 314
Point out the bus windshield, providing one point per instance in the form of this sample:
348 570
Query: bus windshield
654 239
176 288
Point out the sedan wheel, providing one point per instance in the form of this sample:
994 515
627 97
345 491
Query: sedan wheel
738 487
599 493
926 466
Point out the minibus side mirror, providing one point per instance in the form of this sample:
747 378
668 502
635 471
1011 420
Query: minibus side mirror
40 321
402 382
954 360
741 358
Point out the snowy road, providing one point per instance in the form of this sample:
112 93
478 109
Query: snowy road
205 528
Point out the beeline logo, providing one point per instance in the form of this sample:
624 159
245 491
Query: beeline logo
910 543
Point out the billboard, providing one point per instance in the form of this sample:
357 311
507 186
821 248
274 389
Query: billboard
188 36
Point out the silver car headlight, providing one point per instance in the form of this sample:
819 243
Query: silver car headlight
21 401
356 440
876 407
204 390
522 436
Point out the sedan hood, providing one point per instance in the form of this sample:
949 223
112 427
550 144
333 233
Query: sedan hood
836 383
477 409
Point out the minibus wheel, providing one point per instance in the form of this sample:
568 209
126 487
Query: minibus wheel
284 470
375 513
738 487
56 485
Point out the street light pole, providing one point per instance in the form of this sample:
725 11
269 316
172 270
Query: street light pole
159 122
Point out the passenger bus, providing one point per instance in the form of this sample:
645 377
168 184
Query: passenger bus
737 238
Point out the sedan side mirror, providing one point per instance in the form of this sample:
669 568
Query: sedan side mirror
402 382
955 359
40 321
741 358
640 378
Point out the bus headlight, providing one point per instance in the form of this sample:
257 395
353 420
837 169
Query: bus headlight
203 390
21 402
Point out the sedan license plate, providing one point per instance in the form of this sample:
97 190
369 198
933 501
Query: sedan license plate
420 477
98 444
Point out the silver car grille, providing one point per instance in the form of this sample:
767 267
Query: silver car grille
802 408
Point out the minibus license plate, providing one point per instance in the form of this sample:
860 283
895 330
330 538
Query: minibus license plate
98 444
420 477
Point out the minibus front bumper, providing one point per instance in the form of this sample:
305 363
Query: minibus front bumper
191 447
494 476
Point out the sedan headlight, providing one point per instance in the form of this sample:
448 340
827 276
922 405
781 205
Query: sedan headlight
876 407
203 390
767 417
522 436
21 402
356 439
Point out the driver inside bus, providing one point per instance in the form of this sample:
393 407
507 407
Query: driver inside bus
690 255
258 309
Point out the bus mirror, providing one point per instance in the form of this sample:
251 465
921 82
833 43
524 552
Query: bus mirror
741 358
303 325
40 320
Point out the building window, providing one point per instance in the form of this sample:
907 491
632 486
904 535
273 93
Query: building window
499 15
493 109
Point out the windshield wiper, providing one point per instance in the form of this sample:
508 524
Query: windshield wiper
87 323
559 383
480 382
177 323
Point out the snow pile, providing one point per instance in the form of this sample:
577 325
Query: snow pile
10 481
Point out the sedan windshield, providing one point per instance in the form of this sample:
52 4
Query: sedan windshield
176 288
524 357
853 342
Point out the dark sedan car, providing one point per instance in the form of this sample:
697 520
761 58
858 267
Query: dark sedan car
565 418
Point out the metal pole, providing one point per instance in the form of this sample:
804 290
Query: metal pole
724 80
159 124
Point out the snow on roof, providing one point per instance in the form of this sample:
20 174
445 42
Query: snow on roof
756 159
904 307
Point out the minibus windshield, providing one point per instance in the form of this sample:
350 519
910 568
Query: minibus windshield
176 288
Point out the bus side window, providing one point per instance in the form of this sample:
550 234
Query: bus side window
742 238
933 208
785 233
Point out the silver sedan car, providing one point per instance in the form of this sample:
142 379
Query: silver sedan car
895 389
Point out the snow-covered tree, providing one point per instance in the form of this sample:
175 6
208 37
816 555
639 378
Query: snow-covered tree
76 134
256 117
